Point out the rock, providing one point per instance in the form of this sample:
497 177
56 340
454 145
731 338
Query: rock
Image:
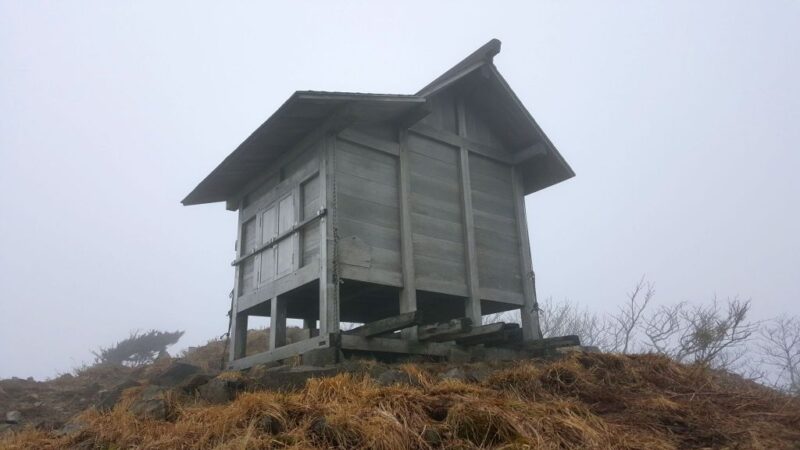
219 391
110 398
322 357
13 417
478 375
278 368
393 376
71 427
270 425
92 388
432 437
320 428
454 374
150 404
259 370
177 373
191 385
293 378
376 370
458 356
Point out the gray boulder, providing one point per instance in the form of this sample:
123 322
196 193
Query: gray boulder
71 427
109 398
219 391
13 417
394 376
178 372
150 404
454 374
294 378
191 385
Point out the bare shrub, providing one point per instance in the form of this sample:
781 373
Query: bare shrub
624 324
565 317
715 334
780 349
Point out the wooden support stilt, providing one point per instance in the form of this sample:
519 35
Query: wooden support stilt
408 294
238 335
529 313
277 330
310 324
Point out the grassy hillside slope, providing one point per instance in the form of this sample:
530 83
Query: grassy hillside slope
583 400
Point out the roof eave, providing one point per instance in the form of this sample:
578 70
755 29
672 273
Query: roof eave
199 194
474 61
550 148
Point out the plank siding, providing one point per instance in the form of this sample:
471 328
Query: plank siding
443 112
496 236
247 273
436 211
367 202
291 193
311 202
478 129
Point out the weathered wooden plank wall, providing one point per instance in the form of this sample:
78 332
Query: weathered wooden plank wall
496 236
367 203
436 216
288 196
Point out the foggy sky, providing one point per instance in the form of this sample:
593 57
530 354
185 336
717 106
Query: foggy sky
679 118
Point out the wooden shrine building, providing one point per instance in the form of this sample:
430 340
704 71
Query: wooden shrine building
404 213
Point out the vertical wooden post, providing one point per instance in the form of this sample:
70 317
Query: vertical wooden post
297 205
310 324
328 280
530 310
277 326
408 294
235 347
238 336
473 305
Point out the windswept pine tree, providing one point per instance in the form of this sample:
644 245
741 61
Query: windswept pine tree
138 349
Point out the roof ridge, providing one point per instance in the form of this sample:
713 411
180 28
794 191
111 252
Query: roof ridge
345 93
484 54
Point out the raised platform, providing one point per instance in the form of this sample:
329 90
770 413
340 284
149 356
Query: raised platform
455 340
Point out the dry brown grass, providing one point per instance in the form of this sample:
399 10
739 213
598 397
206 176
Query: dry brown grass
591 401
212 356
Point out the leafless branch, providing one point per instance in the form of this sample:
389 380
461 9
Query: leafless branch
628 318
780 349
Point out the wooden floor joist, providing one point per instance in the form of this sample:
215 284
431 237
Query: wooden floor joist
492 333
384 345
446 331
388 325
552 343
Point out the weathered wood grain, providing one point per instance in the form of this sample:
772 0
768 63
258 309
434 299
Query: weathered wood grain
388 324
446 331
530 310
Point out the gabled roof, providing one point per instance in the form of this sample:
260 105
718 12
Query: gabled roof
474 61
476 76
307 111
303 113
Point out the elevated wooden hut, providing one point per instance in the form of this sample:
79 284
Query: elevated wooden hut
404 213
